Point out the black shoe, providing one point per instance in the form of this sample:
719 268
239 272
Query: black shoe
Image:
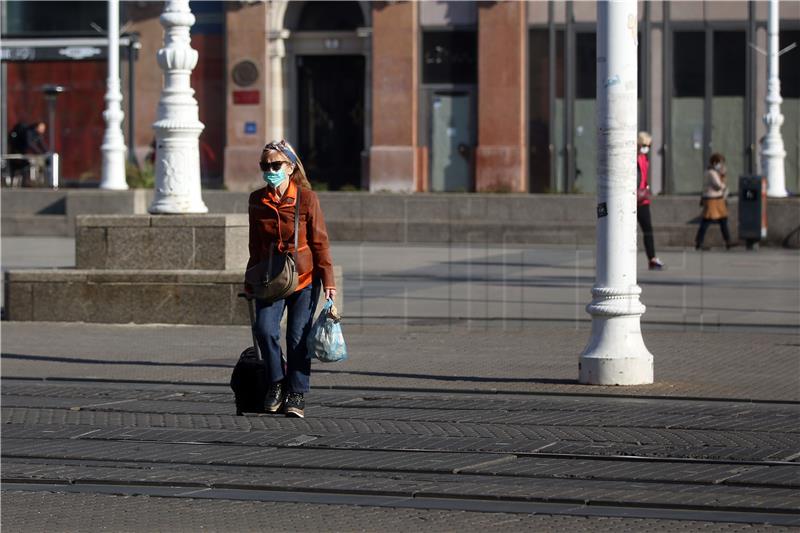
701 247
295 405
275 397
729 245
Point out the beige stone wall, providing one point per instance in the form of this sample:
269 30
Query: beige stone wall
501 157
394 155
247 33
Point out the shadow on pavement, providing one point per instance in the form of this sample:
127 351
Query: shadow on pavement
449 378
79 360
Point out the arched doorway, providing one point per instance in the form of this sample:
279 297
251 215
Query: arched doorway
328 65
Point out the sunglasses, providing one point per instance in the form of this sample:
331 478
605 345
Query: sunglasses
274 166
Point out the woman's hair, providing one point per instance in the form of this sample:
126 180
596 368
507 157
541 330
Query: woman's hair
283 146
644 138
716 158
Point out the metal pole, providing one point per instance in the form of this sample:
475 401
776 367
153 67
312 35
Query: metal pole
178 126
551 96
132 47
113 147
569 99
616 354
772 150
51 122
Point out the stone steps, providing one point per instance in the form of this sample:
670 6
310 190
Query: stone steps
423 217
35 226
539 232
177 269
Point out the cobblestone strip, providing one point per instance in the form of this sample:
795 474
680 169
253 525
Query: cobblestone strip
91 513
537 467
281 475
582 441
612 408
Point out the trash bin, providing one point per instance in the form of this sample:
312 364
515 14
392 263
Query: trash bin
752 210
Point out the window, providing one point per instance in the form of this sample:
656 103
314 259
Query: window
729 64
585 65
789 66
25 18
449 57
330 16
689 64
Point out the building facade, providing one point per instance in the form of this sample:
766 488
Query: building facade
434 95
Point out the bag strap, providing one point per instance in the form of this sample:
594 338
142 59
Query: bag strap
279 243
296 217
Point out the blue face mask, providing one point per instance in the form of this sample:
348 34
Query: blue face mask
275 178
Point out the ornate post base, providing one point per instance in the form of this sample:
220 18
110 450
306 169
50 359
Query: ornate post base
615 354
178 187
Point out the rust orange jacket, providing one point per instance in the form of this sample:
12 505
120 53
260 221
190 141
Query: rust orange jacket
272 224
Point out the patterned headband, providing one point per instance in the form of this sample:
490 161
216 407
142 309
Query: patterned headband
283 147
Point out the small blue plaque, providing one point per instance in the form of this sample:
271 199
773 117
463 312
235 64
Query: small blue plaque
249 128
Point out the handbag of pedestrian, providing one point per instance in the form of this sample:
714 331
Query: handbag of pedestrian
276 277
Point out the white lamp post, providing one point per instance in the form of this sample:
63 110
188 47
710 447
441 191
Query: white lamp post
616 354
113 147
177 126
772 150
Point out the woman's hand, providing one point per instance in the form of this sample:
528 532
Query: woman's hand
330 294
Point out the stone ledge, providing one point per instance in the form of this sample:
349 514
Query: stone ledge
174 242
125 296
138 221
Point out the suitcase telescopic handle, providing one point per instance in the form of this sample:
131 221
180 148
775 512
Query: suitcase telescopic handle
251 309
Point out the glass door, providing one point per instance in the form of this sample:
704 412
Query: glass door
789 70
687 116
728 103
707 108
585 128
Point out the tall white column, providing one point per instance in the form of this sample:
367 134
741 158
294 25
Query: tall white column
616 354
113 147
772 150
277 54
177 126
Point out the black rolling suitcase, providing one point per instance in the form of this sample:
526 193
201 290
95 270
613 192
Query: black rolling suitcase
249 378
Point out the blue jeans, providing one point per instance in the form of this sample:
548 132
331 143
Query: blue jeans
301 306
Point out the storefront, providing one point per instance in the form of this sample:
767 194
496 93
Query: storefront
415 96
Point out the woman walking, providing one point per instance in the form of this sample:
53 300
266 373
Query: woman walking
643 200
715 209
272 221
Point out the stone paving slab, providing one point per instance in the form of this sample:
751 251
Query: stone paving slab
743 424
415 445
602 408
520 410
539 358
499 472
244 455
433 483
533 437
385 434
60 512
753 475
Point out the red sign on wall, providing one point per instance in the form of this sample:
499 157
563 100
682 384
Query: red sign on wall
246 97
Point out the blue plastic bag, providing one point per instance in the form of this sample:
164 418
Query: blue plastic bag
325 341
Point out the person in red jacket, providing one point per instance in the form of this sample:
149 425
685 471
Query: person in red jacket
271 212
643 200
